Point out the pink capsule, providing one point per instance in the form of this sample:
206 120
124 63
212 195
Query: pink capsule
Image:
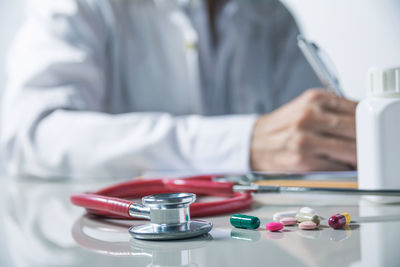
274 226
288 221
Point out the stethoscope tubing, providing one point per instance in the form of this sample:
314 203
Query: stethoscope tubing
113 201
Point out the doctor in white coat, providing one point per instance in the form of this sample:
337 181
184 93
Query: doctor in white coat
113 88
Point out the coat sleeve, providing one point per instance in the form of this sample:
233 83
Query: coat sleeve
53 119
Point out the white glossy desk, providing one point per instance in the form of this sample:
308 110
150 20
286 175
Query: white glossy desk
39 227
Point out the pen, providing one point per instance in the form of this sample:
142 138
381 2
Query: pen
316 190
326 76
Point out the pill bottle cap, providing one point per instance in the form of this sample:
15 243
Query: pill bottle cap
384 82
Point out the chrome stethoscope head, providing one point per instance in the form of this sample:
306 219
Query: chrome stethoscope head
169 217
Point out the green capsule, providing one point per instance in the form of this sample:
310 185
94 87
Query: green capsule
245 221
303 217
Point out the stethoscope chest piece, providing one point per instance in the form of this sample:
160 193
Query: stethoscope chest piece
163 232
170 218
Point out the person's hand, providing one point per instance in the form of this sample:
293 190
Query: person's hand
314 132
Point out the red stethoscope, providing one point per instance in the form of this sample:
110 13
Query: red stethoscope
115 201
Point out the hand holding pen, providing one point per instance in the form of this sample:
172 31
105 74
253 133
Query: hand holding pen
314 132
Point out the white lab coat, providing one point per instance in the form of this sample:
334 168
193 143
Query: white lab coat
112 88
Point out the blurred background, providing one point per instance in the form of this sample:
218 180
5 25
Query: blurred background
356 34
11 17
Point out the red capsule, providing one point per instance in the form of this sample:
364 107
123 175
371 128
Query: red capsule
337 221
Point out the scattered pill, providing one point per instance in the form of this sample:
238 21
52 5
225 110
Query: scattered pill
339 220
307 210
274 226
279 215
307 225
288 221
245 221
303 217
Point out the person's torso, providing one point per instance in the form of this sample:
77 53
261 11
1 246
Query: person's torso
161 57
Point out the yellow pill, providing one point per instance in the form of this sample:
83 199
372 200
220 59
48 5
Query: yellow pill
347 216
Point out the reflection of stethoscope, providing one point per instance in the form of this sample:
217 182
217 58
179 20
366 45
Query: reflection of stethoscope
95 235
167 209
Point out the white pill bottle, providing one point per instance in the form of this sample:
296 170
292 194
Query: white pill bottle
378 131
